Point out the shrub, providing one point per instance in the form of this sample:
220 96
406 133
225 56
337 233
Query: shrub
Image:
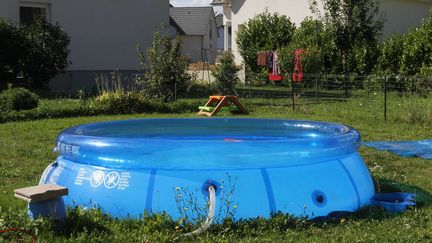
263 32
417 49
354 27
18 99
13 50
46 54
391 51
168 71
123 102
38 51
226 74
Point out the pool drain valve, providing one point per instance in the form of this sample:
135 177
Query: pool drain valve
210 216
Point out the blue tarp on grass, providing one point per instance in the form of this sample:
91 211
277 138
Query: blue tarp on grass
421 149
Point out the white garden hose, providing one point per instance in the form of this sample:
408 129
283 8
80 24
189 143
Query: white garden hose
210 216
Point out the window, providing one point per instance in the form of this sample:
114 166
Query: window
30 12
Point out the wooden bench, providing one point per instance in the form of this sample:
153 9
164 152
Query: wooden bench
44 201
217 103
40 193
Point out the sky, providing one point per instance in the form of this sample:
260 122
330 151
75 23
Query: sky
190 3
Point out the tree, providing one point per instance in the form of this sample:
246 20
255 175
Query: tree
46 53
38 52
12 53
311 37
263 32
167 72
417 48
355 28
226 74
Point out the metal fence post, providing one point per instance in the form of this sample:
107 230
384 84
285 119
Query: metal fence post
412 87
250 88
316 90
385 97
175 91
293 95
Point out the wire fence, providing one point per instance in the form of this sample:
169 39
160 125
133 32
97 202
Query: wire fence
382 97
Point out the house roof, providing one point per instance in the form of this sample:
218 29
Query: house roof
217 2
174 24
219 20
192 20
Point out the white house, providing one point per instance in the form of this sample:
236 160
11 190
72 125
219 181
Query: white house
196 27
400 15
104 33
221 31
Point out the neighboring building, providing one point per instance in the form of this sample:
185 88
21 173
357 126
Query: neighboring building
196 27
400 15
104 34
221 30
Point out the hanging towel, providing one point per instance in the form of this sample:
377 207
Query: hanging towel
276 66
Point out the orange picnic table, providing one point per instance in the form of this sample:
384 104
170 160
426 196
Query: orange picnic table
218 102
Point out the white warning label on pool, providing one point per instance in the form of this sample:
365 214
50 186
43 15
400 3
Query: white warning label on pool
124 181
97 178
81 177
107 179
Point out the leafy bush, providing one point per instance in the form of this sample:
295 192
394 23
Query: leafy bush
408 54
38 51
391 51
354 28
310 36
199 90
136 102
263 32
47 52
13 51
417 48
18 99
225 74
168 71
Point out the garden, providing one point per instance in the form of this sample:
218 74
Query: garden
381 88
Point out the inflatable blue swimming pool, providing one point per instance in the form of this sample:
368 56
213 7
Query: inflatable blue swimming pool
258 166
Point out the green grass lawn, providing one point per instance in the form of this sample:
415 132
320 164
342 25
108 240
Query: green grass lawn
27 147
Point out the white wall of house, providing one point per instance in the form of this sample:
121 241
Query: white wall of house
242 10
220 40
104 33
9 10
401 15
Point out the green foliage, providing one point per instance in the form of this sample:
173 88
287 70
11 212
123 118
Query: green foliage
167 73
12 54
417 48
46 54
354 27
63 109
391 51
133 102
408 54
263 32
17 99
225 74
311 37
123 102
38 52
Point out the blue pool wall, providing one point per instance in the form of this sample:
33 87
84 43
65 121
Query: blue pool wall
344 183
